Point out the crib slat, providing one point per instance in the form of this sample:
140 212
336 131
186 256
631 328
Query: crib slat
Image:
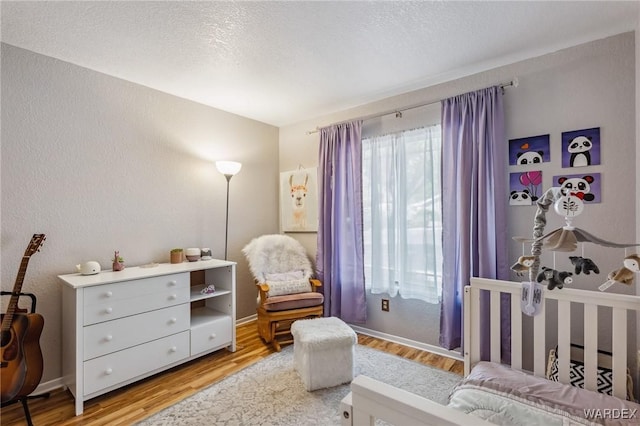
468 292
495 327
590 346
471 328
539 342
475 326
564 340
516 333
619 345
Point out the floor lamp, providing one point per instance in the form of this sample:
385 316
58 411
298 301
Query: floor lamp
228 169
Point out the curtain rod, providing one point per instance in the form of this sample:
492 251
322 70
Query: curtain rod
398 112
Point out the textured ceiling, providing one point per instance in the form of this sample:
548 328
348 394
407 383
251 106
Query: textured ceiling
283 62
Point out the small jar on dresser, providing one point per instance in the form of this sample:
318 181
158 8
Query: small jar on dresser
120 327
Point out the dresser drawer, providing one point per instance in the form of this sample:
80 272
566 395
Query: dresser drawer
134 288
112 301
109 370
212 335
111 336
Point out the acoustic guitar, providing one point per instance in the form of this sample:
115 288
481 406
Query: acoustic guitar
21 361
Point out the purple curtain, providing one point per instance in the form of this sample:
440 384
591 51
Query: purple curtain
339 259
474 194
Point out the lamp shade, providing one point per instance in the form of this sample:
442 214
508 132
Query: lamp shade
228 167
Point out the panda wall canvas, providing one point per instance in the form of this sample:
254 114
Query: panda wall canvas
530 150
586 186
525 188
581 148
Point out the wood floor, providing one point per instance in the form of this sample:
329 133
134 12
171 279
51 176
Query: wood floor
137 401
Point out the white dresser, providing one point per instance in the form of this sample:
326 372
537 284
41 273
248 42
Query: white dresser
119 327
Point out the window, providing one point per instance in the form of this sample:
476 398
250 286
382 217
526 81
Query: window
402 213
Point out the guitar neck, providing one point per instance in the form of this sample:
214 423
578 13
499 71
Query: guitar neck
33 247
17 288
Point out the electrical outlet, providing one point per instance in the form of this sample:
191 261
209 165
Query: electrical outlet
385 305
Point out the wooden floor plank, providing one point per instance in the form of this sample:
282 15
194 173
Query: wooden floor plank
139 400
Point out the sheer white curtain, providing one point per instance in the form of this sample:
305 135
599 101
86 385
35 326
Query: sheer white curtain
402 214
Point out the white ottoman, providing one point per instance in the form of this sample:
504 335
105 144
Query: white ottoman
323 352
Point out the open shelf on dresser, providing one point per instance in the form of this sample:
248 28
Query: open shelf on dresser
204 315
197 295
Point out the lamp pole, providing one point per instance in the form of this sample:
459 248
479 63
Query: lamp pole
228 169
226 220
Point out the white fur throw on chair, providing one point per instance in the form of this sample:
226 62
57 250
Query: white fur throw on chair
276 254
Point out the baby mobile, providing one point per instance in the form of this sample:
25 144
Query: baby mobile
569 204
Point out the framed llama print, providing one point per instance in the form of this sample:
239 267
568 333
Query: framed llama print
529 151
299 200
581 148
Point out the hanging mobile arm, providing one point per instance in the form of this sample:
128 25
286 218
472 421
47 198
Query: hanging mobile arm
539 222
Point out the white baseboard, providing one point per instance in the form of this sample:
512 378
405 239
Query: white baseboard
49 386
408 342
246 320
389 337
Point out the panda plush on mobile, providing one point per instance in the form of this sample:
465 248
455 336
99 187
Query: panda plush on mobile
554 278
583 264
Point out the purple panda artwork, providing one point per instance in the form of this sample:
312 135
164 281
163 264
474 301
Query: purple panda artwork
581 148
529 151
586 186
525 188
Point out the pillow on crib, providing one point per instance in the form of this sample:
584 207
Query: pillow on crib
576 371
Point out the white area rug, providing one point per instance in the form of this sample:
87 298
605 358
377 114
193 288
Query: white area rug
270 392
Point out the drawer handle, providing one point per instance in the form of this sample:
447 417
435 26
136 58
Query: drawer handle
109 310
108 371
173 320
173 349
173 283
173 297
109 294
213 336
108 338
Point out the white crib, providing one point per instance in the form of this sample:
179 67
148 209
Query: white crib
370 399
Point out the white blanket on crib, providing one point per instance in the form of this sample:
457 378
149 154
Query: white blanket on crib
507 397
504 409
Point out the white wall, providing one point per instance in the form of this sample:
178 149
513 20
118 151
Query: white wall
584 86
100 164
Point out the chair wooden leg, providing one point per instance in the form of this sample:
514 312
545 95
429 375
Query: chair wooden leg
276 345
265 330
275 327
274 340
